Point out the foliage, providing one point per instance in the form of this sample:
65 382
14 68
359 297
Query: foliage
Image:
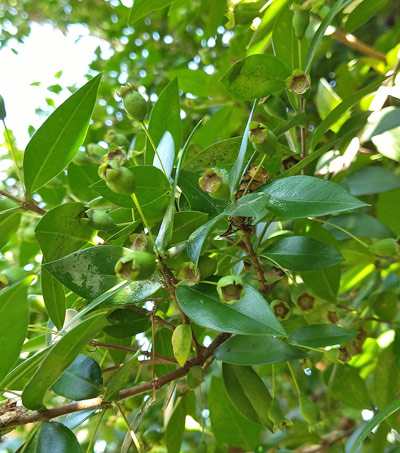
295 222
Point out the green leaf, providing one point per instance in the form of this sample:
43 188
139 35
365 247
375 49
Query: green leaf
80 178
142 8
338 112
120 379
321 335
362 13
82 379
390 409
236 173
198 238
251 205
248 393
185 223
59 231
323 283
176 427
250 316
349 388
255 76
228 425
370 180
56 436
218 154
307 196
319 34
14 319
300 119
61 355
54 297
165 116
9 221
163 346
151 189
124 323
299 253
199 200
358 224
90 272
58 139
326 101
257 349
191 81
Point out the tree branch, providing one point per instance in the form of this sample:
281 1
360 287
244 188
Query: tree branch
256 264
28 205
94 403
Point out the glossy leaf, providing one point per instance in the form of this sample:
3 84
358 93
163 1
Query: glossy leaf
251 205
299 253
163 346
358 224
120 379
59 358
321 335
185 223
307 196
326 101
124 323
56 437
248 393
54 297
165 116
9 221
323 283
165 157
58 139
228 425
370 180
90 272
198 238
80 178
142 8
82 379
257 349
14 319
59 231
255 76
250 316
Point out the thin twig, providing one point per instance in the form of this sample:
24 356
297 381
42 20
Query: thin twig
28 205
157 319
256 264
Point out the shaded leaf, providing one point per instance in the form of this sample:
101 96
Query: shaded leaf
321 335
369 180
120 379
54 297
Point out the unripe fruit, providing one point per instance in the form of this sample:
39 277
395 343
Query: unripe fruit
385 247
134 103
305 301
207 266
262 138
36 303
275 107
213 183
194 377
189 274
299 82
309 410
98 220
300 21
80 158
116 139
119 179
152 436
281 309
181 342
230 289
93 149
136 266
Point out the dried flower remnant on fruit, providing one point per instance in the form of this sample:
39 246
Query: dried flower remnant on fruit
230 289
214 184
299 82
262 138
289 162
136 266
305 301
189 274
344 355
332 317
281 309
116 157
260 176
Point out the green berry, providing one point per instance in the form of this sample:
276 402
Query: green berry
213 183
93 149
119 179
281 309
189 274
80 158
134 103
299 82
3 113
262 139
300 21
230 289
136 266
207 266
98 220
385 247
